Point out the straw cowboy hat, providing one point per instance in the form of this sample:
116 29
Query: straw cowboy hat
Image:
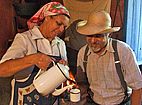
97 23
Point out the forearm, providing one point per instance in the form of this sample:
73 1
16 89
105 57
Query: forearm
13 66
10 67
136 97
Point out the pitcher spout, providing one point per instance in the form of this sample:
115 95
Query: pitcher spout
57 92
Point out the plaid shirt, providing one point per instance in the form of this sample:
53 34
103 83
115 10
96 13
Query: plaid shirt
102 74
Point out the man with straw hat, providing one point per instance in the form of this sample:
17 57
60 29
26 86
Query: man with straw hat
110 81
34 48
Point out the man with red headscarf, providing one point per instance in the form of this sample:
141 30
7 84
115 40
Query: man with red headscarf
34 48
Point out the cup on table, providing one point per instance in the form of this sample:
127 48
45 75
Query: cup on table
74 95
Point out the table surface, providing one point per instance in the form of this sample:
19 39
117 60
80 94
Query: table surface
68 102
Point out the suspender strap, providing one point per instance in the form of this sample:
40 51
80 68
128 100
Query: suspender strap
118 67
90 93
85 58
85 63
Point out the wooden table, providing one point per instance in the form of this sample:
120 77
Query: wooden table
68 102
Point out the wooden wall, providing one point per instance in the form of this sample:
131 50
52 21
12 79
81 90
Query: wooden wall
6 24
117 13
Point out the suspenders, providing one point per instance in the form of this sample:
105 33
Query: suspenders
117 65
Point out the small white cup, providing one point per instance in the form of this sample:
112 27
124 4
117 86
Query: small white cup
74 95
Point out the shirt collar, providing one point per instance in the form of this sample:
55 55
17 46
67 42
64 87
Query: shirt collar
108 48
36 34
57 40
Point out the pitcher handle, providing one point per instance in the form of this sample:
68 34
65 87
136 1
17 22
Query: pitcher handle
53 63
37 74
40 71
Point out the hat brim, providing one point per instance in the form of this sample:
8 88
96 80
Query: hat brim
92 30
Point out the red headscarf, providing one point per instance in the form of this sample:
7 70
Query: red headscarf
49 9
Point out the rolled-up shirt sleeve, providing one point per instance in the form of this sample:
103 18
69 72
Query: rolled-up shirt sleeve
16 50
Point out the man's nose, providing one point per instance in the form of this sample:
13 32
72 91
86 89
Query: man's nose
94 40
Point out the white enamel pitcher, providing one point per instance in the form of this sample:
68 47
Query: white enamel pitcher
48 81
